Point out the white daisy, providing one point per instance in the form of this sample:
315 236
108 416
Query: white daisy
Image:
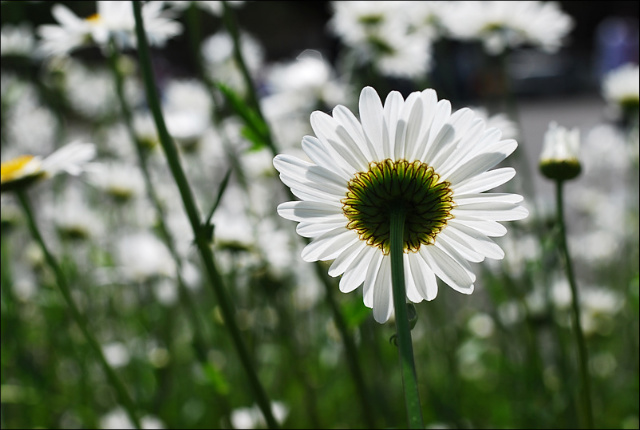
26 169
559 157
414 153
500 25
113 20
621 88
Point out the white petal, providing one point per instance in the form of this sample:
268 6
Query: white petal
346 259
446 142
301 211
329 245
477 241
411 111
325 157
392 108
314 228
370 279
450 270
371 115
479 164
409 280
440 117
355 275
451 241
383 292
484 226
307 172
489 198
325 127
468 136
485 181
424 277
353 128
493 212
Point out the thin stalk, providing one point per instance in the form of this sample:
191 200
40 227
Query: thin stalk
403 331
186 299
585 391
347 339
79 319
201 240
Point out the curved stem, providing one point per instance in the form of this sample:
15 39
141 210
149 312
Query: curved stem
405 347
201 240
80 320
575 307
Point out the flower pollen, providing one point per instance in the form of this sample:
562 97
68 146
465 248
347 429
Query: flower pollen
388 185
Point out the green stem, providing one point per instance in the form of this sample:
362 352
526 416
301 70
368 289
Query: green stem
201 240
186 299
61 282
575 307
405 347
349 344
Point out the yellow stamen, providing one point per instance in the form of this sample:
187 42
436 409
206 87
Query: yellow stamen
93 18
14 168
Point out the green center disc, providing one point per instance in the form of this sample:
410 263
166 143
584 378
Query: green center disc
414 188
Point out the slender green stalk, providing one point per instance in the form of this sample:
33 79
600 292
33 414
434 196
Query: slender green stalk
585 390
201 240
186 299
403 331
347 339
80 320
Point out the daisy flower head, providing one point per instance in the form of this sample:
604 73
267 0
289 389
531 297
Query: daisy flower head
413 155
621 89
112 20
24 170
559 157
502 25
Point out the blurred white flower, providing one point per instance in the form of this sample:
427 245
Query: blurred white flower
252 418
187 110
113 20
119 180
501 25
17 40
481 325
118 419
142 256
74 218
71 158
621 87
379 33
213 7
220 63
30 126
116 354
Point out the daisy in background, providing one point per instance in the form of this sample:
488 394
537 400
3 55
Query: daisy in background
502 25
25 170
415 154
621 90
380 34
112 20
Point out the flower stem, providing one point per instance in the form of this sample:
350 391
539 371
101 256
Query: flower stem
575 307
403 331
186 299
80 320
201 240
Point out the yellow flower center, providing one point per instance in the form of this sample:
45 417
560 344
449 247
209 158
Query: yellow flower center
13 169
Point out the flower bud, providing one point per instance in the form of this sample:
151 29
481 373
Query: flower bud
559 158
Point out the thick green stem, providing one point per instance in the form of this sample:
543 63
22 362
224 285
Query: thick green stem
201 240
403 330
77 316
575 307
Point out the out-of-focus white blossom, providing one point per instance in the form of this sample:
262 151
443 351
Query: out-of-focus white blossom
502 25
